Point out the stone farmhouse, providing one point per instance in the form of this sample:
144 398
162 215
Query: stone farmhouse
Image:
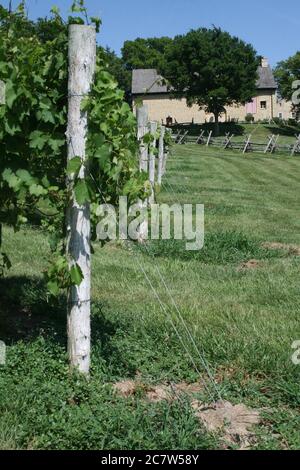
149 87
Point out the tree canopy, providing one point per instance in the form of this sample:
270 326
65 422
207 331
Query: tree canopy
145 53
286 73
210 68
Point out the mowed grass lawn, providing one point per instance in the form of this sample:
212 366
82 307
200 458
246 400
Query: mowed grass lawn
242 317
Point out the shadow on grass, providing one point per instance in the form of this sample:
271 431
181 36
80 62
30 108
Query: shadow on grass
195 129
27 312
287 131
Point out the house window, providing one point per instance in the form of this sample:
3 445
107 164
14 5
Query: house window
280 115
263 105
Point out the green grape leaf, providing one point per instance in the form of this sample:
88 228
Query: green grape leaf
37 140
25 176
37 190
76 275
53 287
74 165
103 155
83 192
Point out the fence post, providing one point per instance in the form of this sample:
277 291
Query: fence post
153 130
142 123
82 61
2 102
166 154
161 154
142 120
2 92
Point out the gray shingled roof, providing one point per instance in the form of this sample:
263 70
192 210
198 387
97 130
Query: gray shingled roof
147 81
266 78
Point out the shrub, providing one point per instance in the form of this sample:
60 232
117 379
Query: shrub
249 118
278 121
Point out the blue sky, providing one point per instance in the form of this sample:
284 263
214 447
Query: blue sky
272 26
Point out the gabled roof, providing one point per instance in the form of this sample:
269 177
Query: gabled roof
266 78
145 81
148 81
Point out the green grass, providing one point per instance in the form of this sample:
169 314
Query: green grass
244 321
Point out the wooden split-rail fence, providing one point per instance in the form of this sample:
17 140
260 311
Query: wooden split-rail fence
228 142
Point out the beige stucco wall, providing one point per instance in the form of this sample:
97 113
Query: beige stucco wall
161 106
283 108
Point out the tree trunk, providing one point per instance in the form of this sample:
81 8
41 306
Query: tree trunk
82 61
217 125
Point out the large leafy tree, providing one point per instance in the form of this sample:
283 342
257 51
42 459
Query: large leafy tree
145 53
287 73
210 68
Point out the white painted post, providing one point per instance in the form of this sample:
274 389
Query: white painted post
142 119
82 61
153 130
166 155
161 155
142 122
165 163
2 92
2 102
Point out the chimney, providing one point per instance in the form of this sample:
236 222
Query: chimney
264 62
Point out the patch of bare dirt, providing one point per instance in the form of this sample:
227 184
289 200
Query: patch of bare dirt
234 421
125 389
156 393
159 393
291 249
252 264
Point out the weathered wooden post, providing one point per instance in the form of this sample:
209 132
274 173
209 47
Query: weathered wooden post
166 155
165 163
153 130
200 138
296 147
161 154
2 102
247 146
209 139
271 145
2 92
82 61
142 122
